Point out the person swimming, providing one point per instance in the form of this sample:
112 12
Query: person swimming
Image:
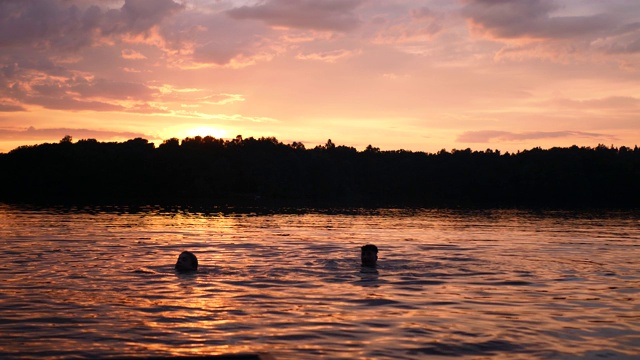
187 262
369 255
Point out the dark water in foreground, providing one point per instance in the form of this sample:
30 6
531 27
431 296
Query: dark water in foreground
477 285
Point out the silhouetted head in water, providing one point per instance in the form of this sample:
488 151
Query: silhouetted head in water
187 261
369 255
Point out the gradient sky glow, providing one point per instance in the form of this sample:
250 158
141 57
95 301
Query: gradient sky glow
396 74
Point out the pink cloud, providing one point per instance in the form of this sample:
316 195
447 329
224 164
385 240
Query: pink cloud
141 15
543 29
73 92
41 43
58 25
68 103
419 25
101 88
221 52
328 15
11 108
215 38
531 19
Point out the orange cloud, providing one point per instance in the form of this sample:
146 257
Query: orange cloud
130 54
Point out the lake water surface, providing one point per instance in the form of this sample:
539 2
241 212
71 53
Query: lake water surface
509 284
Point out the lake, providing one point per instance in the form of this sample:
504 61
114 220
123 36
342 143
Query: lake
98 282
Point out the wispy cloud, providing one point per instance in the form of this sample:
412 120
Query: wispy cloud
327 56
627 103
45 134
486 136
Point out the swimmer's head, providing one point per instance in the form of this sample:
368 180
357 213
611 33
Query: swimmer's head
187 261
369 255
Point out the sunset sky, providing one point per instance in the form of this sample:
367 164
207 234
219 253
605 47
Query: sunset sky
396 74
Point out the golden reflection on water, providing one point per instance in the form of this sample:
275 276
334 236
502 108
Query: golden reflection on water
496 284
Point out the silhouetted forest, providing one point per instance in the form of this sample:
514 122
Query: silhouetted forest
266 172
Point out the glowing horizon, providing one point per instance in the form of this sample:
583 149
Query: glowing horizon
413 75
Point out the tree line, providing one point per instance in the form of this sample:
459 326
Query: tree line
266 172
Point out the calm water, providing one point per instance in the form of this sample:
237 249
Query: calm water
87 283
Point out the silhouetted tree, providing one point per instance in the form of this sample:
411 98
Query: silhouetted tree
265 171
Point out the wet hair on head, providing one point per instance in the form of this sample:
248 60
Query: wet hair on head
187 261
369 247
369 255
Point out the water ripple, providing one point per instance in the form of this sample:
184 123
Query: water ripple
87 283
